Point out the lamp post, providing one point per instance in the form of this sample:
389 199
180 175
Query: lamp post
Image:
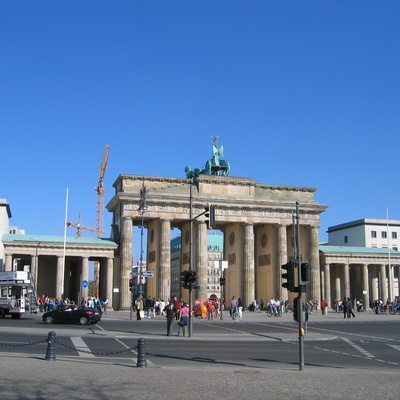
142 208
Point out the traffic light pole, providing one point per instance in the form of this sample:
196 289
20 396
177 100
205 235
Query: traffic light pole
296 227
211 210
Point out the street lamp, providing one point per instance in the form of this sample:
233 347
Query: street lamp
142 208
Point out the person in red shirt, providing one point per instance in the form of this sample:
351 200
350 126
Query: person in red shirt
210 309
323 307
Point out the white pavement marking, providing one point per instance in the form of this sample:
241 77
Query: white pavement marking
81 345
358 348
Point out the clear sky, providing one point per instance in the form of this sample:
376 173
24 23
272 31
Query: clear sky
300 93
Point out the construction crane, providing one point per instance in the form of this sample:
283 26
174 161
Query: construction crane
79 227
100 194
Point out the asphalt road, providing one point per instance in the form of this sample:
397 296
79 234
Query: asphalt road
367 342
256 358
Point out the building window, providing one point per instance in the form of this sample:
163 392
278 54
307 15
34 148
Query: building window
384 234
394 235
346 239
373 234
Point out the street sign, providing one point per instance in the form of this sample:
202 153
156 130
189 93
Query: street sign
145 274
85 284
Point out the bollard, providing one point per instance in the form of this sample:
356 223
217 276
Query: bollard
51 349
141 359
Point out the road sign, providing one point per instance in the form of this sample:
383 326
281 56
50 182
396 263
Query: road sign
85 284
148 274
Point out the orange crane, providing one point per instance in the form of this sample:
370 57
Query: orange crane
80 227
100 194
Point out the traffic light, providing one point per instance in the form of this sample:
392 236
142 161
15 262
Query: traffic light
130 284
210 215
222 281
304 278
191 277
184 279
289 276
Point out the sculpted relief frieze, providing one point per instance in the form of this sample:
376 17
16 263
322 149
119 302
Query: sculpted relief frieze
222 213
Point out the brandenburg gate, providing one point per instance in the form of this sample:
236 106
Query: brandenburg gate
256 220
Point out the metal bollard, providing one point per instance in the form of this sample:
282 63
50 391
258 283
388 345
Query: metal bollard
51 349
141 359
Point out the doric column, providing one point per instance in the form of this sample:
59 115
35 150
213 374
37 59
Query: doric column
126 262
364 284
346 280
165 261
374 284
34 268
282 259
8 262
60 277
327 283
390 282
338 292
109 281
315 275
248 265
398 280
382 282
201 264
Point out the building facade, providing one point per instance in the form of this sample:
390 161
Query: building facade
376 233
215 253
256 221
60 268
361 261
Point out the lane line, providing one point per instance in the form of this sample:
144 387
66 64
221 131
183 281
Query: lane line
79 344
358 348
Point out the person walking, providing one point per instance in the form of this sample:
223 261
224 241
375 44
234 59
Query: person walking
234 304
183 318
323 307
170 312
349 306
139 308
210 309
240 307
344 307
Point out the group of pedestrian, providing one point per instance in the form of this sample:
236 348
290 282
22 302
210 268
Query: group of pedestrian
148 308
47 303
236 305
175 310
347 308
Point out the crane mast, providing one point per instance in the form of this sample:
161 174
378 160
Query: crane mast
100 194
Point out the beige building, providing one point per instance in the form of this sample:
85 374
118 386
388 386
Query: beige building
361 261
215 254
60 271
256 220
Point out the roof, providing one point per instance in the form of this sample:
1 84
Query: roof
3 203
57 239
365 221
353 249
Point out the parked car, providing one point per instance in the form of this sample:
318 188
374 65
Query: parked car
81 316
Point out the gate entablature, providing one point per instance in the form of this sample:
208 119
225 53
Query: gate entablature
236 200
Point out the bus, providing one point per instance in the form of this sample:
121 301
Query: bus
17 294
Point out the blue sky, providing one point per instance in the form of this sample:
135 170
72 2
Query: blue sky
300 93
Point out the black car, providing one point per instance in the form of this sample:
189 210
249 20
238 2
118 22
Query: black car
81 316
